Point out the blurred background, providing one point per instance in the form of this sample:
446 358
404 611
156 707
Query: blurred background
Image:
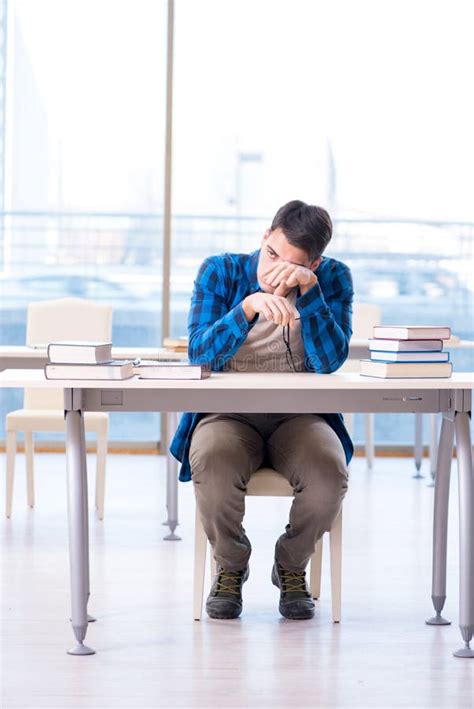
363 107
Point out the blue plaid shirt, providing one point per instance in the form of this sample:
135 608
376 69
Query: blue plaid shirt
217 327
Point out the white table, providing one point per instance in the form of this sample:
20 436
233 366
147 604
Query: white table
22 357
277 393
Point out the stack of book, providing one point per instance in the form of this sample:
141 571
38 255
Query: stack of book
413 351
71 359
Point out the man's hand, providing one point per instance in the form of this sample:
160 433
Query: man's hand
284 276
273 307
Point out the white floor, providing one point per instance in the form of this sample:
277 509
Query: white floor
150 653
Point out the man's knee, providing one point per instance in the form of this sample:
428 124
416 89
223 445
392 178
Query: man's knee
231 452
323 475
207 456
221 466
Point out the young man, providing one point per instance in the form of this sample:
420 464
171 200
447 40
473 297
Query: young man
284 307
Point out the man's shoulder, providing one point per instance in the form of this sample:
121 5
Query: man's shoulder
227 260
231 270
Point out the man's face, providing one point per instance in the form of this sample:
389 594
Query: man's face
275 248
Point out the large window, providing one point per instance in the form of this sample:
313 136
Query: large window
84 180
361 106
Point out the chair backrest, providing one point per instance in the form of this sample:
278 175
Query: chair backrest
270 483
63 319
364 317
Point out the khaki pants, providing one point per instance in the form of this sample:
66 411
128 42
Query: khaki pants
227 448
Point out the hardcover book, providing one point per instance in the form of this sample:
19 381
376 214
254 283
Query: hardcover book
405 345
405 370
79 352
114 369
381 356
412 332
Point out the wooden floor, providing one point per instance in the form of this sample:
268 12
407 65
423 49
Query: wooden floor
150 653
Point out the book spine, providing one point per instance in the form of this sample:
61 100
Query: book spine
402 360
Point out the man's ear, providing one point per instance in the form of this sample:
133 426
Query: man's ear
315 264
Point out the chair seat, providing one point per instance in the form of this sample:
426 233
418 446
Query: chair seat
53 421
267 482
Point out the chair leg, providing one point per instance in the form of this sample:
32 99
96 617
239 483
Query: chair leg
349 423
200 548
102 440
335 543
369 440
30 483
11 452
315 570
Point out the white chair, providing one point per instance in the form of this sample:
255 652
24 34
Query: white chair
364 317
63 319
269 483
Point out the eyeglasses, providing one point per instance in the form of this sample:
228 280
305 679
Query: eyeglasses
288 353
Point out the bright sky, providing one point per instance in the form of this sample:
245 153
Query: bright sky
387 84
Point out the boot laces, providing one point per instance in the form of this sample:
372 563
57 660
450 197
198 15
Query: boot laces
229 582
293 581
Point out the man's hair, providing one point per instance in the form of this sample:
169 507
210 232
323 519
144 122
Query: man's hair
305 226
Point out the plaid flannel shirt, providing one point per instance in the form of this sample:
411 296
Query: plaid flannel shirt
217 327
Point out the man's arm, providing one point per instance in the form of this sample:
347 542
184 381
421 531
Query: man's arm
326 321
215 332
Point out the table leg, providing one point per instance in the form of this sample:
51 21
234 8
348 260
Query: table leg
418 451
90 618
466 532
433 443
78 534
171 480
440 519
